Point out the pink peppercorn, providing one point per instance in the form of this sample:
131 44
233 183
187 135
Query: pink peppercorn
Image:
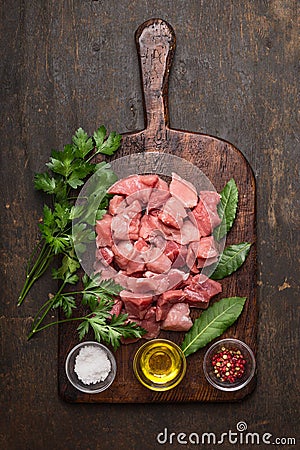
228 365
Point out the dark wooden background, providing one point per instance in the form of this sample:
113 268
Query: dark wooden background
66 64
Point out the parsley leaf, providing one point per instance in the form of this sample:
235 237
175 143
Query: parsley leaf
82 143
66 302
98 293
61 161
80 170
69 265
99 136
109 332
83 329
111 144
43 182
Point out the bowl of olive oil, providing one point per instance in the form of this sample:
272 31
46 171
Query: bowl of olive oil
159 364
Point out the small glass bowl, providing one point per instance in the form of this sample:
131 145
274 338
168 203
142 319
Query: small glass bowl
76 382
229 344
159 364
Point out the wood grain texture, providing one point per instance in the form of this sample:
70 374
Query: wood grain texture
220 161
73 63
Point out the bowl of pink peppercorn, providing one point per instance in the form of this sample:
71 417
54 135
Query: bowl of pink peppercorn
229 364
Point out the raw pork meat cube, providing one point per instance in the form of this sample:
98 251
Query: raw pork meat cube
173 213
177 254
127 257
117 307
116 204
150 324
184 190
165 302
103 231
206 213
200 290
207 248
135 187
187 233
204 251
105 254
151 283
158 262
127 222
149 223
178 318
136 305
159 195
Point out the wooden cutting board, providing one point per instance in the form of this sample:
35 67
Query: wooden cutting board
219 161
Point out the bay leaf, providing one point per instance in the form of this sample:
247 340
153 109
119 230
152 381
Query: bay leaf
230 260
212 323
227 209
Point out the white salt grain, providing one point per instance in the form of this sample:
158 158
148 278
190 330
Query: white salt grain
92 365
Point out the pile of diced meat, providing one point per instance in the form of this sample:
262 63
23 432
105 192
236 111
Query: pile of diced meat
154 241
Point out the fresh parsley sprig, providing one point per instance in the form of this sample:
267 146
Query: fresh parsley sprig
98 296
67 170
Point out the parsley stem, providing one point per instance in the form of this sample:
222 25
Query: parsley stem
83 291
46 307
35 250
39 267
92 156
36 323
47 303
38 260
56 322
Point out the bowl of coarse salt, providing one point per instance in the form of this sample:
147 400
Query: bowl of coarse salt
90 367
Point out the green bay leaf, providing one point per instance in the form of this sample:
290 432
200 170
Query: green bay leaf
227 209
212 323
230 260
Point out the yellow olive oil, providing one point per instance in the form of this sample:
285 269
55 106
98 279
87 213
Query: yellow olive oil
161 363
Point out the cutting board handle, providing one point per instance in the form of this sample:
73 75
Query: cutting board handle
155 40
